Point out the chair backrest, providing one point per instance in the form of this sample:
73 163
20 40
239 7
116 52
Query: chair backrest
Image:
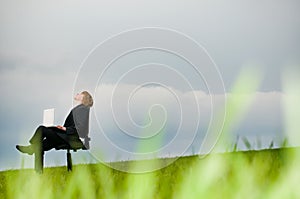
81 118
86 143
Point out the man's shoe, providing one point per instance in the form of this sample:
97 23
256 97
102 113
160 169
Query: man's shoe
25 149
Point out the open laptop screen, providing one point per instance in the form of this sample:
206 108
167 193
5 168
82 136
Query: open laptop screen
48 117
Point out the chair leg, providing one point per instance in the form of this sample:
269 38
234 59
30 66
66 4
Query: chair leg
69 160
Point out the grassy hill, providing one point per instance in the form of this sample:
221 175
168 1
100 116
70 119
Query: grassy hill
253 174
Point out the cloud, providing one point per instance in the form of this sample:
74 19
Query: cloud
130 115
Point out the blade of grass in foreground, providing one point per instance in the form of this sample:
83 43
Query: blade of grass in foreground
237 103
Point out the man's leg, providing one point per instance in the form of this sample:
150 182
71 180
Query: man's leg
44 139
39 135
39 161
53 142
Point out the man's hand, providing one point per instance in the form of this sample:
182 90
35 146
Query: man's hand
61 127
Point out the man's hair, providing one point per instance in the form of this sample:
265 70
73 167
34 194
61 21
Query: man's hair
87 99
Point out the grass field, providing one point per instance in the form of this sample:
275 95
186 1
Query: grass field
253 174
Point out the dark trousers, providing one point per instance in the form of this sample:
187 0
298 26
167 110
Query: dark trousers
45 139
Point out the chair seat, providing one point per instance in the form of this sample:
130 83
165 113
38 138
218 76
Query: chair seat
75 146
68 147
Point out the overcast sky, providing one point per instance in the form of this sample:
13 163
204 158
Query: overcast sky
43 44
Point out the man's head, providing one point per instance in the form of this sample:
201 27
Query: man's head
85 98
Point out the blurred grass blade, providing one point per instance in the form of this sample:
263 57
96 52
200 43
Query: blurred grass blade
246 142
237 104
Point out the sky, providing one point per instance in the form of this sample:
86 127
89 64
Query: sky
52 49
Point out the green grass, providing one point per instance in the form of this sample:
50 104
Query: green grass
252 174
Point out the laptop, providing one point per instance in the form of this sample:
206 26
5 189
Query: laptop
48 117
